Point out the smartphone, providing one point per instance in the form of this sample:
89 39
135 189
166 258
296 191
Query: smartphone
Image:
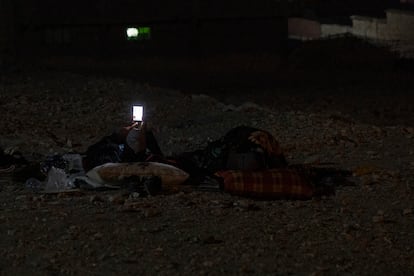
137 113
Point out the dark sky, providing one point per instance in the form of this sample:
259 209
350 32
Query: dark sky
65 11
48 10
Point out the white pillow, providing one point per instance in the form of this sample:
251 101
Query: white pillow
117 172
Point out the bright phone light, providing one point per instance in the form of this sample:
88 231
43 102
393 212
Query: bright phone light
137 113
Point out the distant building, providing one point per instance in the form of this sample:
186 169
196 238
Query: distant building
394 29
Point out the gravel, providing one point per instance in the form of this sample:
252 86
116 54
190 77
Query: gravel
364 229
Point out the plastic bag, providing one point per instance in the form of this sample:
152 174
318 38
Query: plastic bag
74 163
58 181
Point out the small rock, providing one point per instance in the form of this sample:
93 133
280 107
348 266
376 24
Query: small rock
96 198
218 212
208 263
364 170
248 107
117 199
226 108
70 193
246 205
378 219
211 240
152 212
407 211
291 227
368 180
41 198
97 236
20 197
69 143
409 130
131 207
372 154
312 159
134 195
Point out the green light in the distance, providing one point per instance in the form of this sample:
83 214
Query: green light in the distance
140 33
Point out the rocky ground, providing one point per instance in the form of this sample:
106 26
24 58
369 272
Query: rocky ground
364 229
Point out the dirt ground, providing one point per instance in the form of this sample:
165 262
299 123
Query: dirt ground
364 229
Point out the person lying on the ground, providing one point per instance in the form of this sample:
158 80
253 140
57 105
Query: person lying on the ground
241 148
127 144
134 143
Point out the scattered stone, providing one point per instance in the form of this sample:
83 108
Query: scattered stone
20 198
64 232
152 212
134 195
70 193
378 219
96 198
407 211
211 240
364 170
97 236
117 199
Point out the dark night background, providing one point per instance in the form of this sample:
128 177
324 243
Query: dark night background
211 41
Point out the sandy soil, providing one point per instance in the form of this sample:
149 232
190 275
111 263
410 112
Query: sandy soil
364 229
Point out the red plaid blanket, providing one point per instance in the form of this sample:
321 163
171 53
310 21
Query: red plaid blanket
267 184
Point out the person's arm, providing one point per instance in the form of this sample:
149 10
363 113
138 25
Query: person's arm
119 136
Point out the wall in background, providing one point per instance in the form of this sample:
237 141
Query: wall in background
395 30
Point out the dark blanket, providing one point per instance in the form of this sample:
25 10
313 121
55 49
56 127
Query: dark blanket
7 160
114 149
242 148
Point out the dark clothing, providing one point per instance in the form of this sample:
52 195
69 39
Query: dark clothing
243 147
6 160
236 150
114 149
